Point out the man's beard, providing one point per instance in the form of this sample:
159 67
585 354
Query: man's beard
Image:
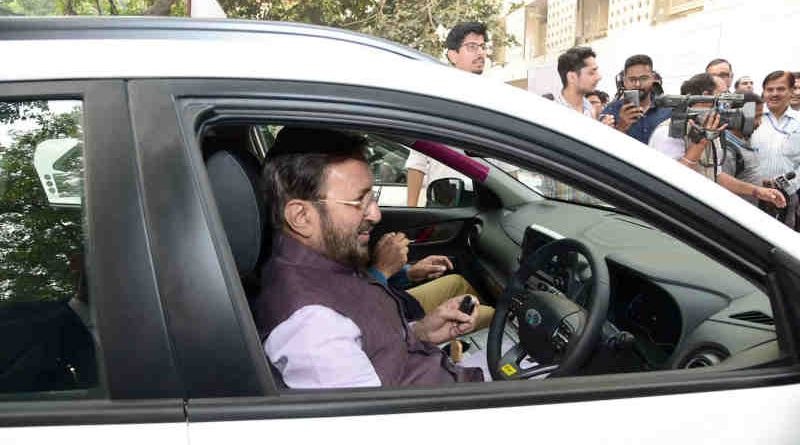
343 247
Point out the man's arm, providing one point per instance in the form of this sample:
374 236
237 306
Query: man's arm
319 348
414 178
745 188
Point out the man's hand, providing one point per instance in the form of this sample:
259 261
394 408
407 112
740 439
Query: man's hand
608 119
446 322
433 266
628 115
772 196
390 254
711 123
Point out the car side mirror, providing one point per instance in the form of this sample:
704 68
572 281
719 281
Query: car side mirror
445 192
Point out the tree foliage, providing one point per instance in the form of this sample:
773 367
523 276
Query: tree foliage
421 24
93 7
37 241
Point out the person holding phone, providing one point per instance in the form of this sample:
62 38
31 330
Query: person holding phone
634 110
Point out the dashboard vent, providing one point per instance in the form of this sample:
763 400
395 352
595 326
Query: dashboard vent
704 358
754 317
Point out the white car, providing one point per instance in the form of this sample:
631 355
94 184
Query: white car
666 311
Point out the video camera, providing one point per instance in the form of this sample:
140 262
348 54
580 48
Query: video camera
732 109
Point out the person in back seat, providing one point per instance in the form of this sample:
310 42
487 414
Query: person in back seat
323 320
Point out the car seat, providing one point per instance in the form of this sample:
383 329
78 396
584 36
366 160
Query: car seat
235 182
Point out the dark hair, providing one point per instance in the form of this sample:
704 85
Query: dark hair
602 95
752 97
572 61
775 75
717 62
738 81
699 84
456 35
796 74
638 59
296 165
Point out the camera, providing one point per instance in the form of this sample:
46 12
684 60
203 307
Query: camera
732 109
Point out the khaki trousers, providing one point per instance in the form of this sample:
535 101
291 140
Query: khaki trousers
432 294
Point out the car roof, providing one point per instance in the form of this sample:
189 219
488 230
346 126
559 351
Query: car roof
40 49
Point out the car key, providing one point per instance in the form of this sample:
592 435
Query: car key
467 305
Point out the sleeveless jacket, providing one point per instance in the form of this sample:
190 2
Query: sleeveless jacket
296 276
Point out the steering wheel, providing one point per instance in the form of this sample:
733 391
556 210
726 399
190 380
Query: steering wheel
554 329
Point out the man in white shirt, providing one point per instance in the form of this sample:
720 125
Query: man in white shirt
467 47
776 140
699 155
579 73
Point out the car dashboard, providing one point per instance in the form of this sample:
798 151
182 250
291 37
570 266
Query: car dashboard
683 309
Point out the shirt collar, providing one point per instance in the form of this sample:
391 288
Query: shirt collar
790 113
587 106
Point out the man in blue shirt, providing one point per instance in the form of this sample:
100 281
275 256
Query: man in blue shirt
638 122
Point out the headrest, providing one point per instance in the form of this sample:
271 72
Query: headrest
302 140
234 180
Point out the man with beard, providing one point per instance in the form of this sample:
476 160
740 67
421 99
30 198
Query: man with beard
325 322
637 122
579 75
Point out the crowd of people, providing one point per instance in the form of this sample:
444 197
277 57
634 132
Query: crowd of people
759 161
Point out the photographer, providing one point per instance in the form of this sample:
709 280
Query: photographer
704 151
637 118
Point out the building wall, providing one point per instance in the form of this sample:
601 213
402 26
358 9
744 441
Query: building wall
756 36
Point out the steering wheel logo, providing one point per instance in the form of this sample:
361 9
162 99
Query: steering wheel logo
533 318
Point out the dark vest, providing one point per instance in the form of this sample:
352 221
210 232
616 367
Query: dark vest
296 276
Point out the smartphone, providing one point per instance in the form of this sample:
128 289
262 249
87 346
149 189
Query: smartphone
630 97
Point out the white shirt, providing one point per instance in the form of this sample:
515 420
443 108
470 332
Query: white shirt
660 140
778 144
587 106
433 170
317 347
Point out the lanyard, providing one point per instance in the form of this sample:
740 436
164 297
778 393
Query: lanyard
775 126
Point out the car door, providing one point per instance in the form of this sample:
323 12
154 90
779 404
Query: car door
656 407
85 352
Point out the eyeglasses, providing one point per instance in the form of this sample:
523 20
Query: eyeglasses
473 47
363 204
640 79
723 75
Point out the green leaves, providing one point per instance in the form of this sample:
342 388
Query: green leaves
422 24
36 240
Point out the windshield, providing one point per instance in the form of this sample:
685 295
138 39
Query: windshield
546 186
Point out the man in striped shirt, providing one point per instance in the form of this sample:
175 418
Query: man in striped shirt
777 139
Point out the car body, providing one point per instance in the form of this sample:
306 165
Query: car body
179 359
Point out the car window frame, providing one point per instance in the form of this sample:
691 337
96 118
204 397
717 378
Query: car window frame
204 102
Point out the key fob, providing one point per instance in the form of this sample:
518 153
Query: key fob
467 305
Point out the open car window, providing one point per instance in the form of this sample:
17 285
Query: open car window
666 306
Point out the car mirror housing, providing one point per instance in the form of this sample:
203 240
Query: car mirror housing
445 192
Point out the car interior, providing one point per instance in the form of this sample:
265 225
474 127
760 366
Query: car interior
580 288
